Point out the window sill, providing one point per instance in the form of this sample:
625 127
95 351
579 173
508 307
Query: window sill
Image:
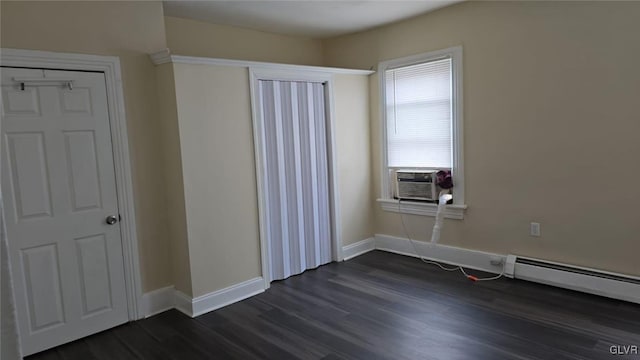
424 209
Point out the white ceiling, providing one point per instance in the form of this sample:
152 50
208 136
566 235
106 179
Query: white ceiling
318 19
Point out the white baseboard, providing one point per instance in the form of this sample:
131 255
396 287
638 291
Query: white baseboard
167 298
215 300
157 301
359 248
472 259
481 260
182 303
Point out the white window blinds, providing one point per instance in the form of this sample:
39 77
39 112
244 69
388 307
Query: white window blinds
419 115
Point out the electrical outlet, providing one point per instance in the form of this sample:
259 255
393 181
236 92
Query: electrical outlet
535 229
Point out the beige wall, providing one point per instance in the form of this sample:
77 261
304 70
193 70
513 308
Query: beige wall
195 38
549 102
216 140
216 137
194 231
353 149
129 30
171 152
551 125
218 170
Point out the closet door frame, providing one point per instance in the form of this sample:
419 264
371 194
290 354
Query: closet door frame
255 75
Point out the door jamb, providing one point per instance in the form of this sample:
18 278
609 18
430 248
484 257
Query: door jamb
110 66
255 75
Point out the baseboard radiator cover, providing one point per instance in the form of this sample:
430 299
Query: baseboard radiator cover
593 281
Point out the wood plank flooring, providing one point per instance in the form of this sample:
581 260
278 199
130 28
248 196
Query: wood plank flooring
380 306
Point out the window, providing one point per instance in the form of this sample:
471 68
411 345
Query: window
422 121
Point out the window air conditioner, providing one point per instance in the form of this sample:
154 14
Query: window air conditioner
416 185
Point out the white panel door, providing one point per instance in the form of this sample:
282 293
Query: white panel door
296 176
59 187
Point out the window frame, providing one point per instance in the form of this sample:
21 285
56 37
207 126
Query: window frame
388 203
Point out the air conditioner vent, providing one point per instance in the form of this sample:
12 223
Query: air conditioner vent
416 185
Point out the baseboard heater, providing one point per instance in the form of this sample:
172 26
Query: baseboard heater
587 280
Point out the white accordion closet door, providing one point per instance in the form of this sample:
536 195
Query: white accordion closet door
296 176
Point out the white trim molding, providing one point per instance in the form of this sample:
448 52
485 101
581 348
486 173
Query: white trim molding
110 66
203 304
457 126
418 208
182 303
161 57
472 259
165 56
158 301
356 249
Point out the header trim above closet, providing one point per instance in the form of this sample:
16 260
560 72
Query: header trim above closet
165 56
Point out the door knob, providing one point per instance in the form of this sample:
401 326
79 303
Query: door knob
111 219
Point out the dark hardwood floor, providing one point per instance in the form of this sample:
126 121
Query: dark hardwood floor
380 306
